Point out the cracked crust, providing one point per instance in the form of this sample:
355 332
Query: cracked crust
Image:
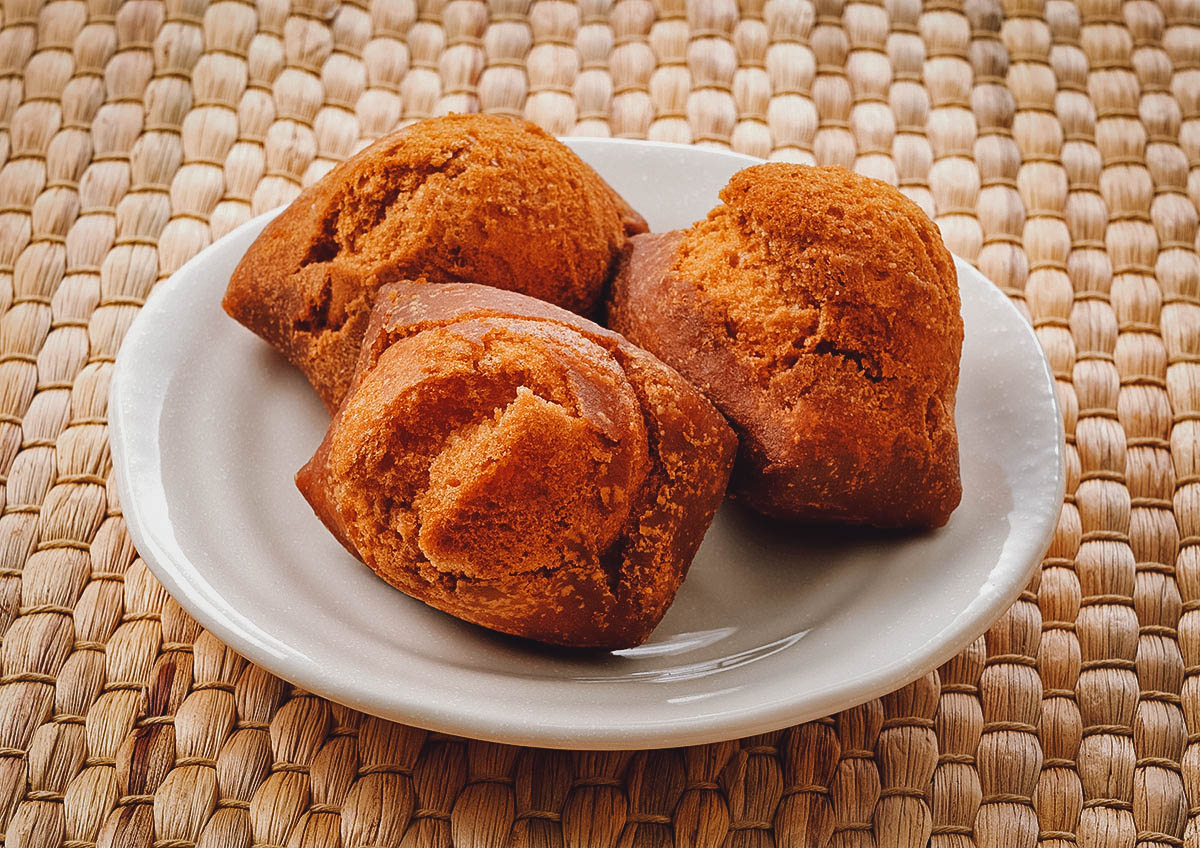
518 466
819 311
472 198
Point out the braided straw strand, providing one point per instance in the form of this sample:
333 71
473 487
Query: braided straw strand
670 82
831 92
553 65
791 68
503 85
711 61
1049 295
1154 531
909 104
593 89
854 790
1173 157
43 164
869 71
958 725
1107 631
245 162
953 178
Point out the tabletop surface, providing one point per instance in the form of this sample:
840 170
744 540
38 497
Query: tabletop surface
1056 144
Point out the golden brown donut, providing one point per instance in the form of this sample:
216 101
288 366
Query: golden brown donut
519 467
819 310
470 198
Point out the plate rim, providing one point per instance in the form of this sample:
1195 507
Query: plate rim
655 733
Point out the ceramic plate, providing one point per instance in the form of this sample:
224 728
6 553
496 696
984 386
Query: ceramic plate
773 626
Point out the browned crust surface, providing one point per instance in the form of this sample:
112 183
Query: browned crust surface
496 393
819 311
473 198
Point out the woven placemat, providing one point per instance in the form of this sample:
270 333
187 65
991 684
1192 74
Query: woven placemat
1058 147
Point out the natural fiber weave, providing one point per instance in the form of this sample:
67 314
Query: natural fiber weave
1058 147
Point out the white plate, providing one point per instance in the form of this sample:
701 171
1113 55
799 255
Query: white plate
773 626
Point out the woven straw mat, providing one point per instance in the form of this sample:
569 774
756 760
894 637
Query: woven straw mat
1056 144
